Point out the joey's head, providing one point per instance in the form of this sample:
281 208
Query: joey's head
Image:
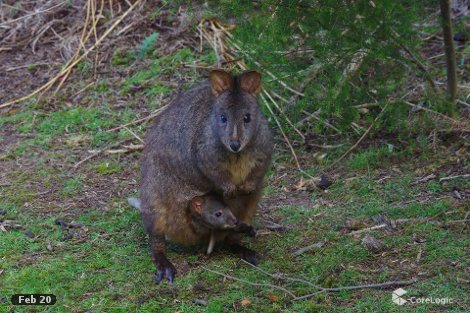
236 111
213 212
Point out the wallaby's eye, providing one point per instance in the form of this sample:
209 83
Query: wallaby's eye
223 119
218 213
247 118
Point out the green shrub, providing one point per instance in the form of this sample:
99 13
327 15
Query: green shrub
344 53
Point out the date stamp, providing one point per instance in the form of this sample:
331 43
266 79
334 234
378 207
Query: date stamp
33 299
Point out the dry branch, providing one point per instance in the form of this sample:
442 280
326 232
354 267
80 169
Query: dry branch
308 248
32 14
394 222
251 283
126 149
323 289
97 153
433 112
454 177
137 121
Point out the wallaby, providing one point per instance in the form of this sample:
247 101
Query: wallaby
213 138
211 214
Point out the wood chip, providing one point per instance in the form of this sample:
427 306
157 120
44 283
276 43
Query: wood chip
307 248
372 244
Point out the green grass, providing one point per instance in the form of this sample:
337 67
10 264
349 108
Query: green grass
110 270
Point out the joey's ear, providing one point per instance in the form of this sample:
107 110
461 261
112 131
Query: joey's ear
251 82
197 204
220 81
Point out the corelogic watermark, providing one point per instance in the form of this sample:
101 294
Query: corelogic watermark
398 297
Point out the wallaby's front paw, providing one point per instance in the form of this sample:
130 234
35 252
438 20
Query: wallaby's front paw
229 191
251 231
246 229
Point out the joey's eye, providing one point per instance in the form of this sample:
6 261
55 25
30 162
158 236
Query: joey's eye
223 119
247 118
218 213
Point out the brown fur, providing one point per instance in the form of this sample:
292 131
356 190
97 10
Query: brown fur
188 153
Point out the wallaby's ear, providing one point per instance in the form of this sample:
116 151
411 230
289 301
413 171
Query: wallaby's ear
197 204
251 82
220 81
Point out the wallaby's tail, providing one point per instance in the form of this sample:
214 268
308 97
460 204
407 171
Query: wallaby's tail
134 202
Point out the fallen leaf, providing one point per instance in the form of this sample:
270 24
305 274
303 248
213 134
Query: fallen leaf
300 185
273 298
11 112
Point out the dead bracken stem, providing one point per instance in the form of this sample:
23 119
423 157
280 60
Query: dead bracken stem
283 133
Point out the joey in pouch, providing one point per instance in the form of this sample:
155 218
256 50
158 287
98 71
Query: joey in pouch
210 215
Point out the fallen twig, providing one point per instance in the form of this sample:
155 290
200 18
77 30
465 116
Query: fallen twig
282 276
26 66
424 179
431 111
126 149
457 222
96 153
393 222
454 177
334 289
140 120
33 13
251 283
360 231
307 248
134 134
325 146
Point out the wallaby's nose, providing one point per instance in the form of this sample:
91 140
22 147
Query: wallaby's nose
234 145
